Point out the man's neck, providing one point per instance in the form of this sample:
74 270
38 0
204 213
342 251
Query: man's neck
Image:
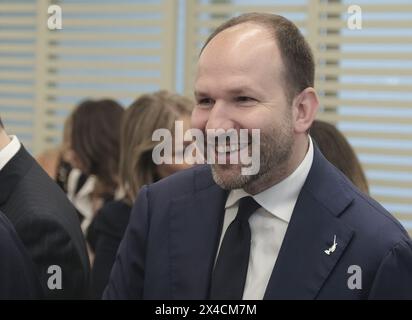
271 178
4 139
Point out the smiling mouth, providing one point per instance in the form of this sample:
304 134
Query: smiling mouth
227 149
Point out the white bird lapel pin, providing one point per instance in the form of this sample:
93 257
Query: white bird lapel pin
333 247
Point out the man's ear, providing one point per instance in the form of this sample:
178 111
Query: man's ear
305 106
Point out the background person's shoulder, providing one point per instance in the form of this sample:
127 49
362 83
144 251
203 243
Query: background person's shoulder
38 193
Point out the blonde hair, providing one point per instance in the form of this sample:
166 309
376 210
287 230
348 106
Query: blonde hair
148 113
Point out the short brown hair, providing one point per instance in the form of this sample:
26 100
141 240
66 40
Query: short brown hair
1 123
148 113
95 138
297 57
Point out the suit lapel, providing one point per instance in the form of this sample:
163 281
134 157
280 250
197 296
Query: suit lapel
302 265
195 226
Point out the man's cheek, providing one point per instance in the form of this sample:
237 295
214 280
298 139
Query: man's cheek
199 119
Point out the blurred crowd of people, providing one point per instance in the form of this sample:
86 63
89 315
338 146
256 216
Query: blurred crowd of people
104 159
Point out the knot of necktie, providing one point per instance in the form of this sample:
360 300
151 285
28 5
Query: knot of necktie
247 206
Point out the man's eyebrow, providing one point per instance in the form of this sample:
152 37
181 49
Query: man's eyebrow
243 90
233 91
198 94
240 90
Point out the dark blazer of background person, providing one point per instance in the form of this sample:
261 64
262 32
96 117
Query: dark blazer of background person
108 230
18 279
47 224
170 245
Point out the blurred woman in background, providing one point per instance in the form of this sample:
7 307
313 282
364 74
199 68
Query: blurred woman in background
154 111
93 151
334 146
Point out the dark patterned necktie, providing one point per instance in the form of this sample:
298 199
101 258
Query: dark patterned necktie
229 274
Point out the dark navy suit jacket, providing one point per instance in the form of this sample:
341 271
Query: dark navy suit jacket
170 245
47 224
18 279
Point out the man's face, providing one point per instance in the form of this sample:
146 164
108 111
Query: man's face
240 85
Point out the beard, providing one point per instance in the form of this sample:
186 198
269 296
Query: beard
275 151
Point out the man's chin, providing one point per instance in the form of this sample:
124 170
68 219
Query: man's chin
228 176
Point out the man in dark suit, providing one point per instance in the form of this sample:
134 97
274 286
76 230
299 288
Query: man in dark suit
45 221
298 229
18 279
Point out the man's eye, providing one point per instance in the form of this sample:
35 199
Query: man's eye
206 102
244 99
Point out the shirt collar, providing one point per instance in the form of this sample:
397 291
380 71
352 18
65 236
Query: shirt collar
280 198
9 151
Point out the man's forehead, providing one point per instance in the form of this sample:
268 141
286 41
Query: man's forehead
238 71
226 65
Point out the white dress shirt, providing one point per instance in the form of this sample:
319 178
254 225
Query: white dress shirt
9 151
268 225
82 199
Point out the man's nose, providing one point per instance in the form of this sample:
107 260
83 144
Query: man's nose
220 117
